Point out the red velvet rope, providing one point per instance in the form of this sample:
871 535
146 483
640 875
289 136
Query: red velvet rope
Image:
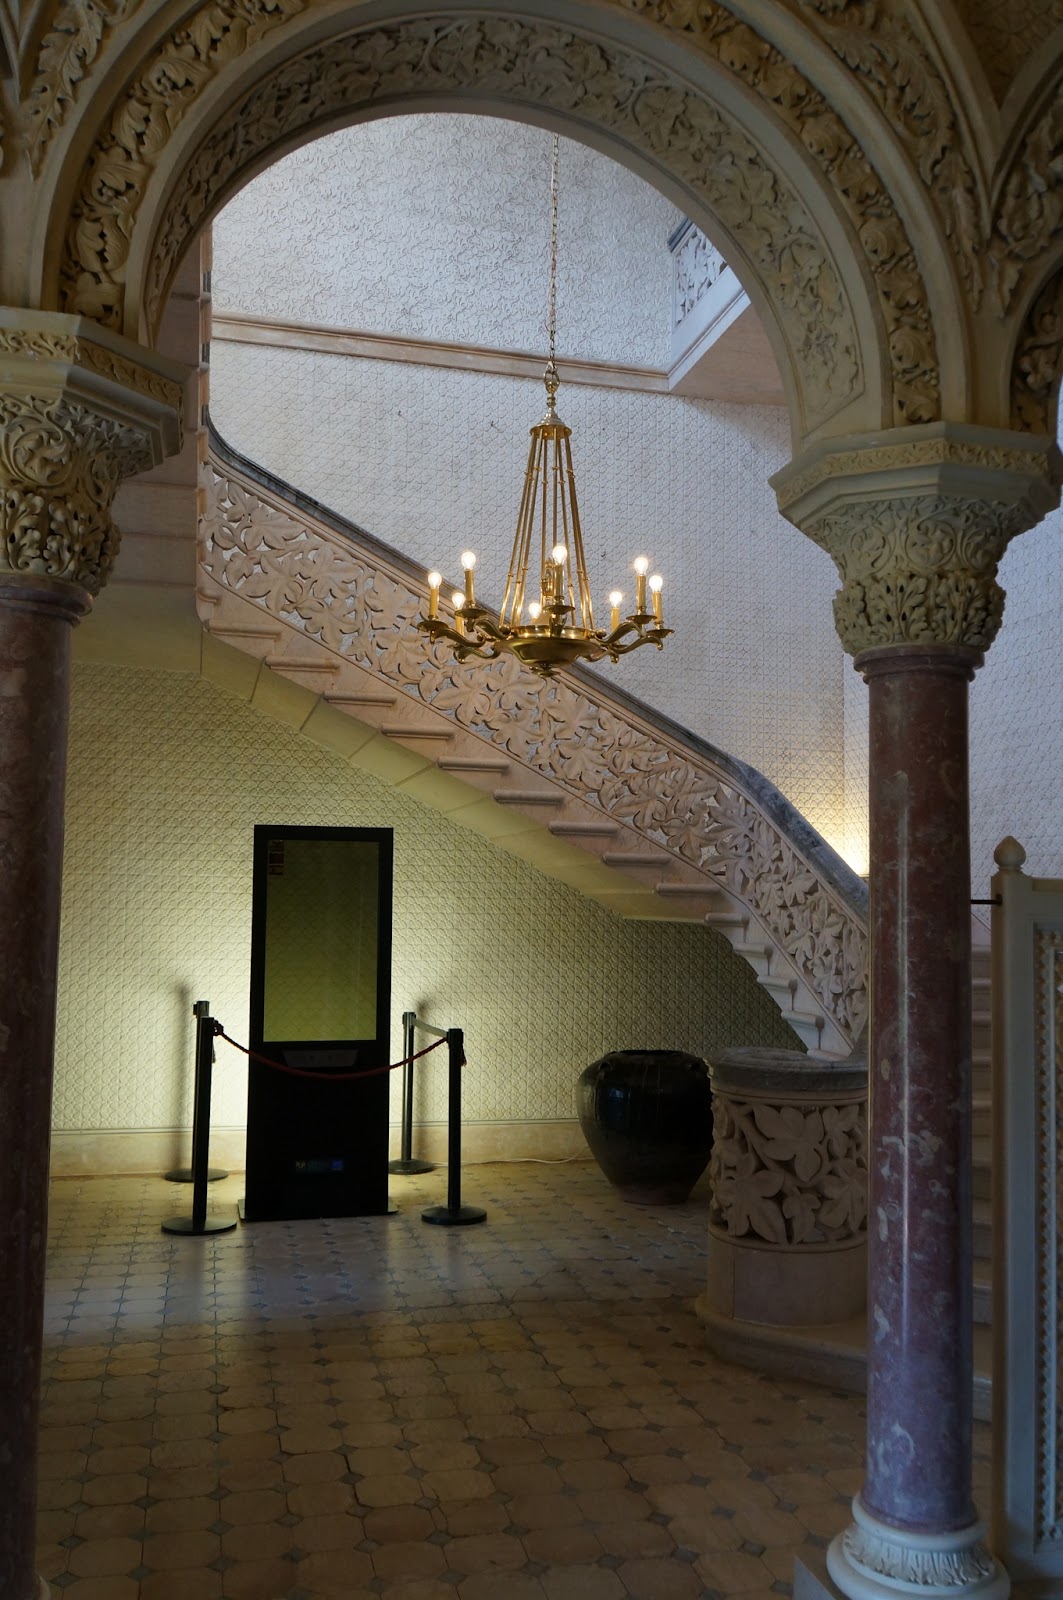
326 1077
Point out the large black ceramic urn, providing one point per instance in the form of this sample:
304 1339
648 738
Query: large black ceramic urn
647 1116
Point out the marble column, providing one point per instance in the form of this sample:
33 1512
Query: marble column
79 410
915 1517
35 627
916 522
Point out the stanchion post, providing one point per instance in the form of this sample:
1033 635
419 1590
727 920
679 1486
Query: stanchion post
199 1222
406 1163
454 1214
200 1009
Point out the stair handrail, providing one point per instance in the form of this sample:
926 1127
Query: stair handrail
745 835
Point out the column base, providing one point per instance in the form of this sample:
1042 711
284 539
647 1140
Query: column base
873 1561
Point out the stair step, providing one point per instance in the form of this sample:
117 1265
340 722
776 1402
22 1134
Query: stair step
473 764
636 858
982 1293
314 664
681 891
983 1228
778 985
724 919
368 698
758 956
252 641
404 730
981 1181
583 830
528 797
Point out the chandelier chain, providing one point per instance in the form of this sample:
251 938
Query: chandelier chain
555 146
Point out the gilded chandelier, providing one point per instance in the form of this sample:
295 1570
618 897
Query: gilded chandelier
547 616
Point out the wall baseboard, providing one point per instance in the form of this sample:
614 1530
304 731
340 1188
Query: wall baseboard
109 1152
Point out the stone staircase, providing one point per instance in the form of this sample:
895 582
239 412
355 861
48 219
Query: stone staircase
570 773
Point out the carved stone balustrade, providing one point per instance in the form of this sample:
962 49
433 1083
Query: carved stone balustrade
788 1179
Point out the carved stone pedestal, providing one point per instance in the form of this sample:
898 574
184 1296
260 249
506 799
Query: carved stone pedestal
788 1174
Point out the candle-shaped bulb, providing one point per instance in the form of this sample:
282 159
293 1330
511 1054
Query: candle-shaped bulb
468 561
656 585
457 600
614 601
434 580
642 566
559 554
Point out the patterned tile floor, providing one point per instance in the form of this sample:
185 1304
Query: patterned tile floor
519 1411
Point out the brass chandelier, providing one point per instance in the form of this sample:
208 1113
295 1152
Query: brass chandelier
547 616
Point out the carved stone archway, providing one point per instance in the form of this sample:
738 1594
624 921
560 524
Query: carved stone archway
744 142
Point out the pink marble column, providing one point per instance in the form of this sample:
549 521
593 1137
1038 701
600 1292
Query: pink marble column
918 1484
36 614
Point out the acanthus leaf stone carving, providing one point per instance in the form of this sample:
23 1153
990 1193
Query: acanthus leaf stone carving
919 570
64 59
60 464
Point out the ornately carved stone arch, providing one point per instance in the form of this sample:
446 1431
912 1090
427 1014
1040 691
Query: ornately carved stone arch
206 108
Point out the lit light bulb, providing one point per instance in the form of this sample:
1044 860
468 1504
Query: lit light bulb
615 598
614 615
656 585
535 610
642 566
457 599
434 580
468 561
558 554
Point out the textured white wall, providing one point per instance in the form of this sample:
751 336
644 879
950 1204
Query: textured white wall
167 778
1017 714
458 249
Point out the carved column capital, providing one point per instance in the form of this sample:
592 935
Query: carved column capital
80 409
916 521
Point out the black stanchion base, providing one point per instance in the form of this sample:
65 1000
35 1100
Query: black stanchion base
186 1175
453 1216
187 1225
407 1168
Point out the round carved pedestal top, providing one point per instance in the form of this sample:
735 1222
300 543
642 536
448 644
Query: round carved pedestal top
756 1070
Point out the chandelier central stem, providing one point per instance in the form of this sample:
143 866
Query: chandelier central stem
551 320
547 616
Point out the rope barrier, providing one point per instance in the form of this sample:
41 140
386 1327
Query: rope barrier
326 1077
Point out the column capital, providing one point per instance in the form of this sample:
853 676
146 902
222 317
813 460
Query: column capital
916 521
81 408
